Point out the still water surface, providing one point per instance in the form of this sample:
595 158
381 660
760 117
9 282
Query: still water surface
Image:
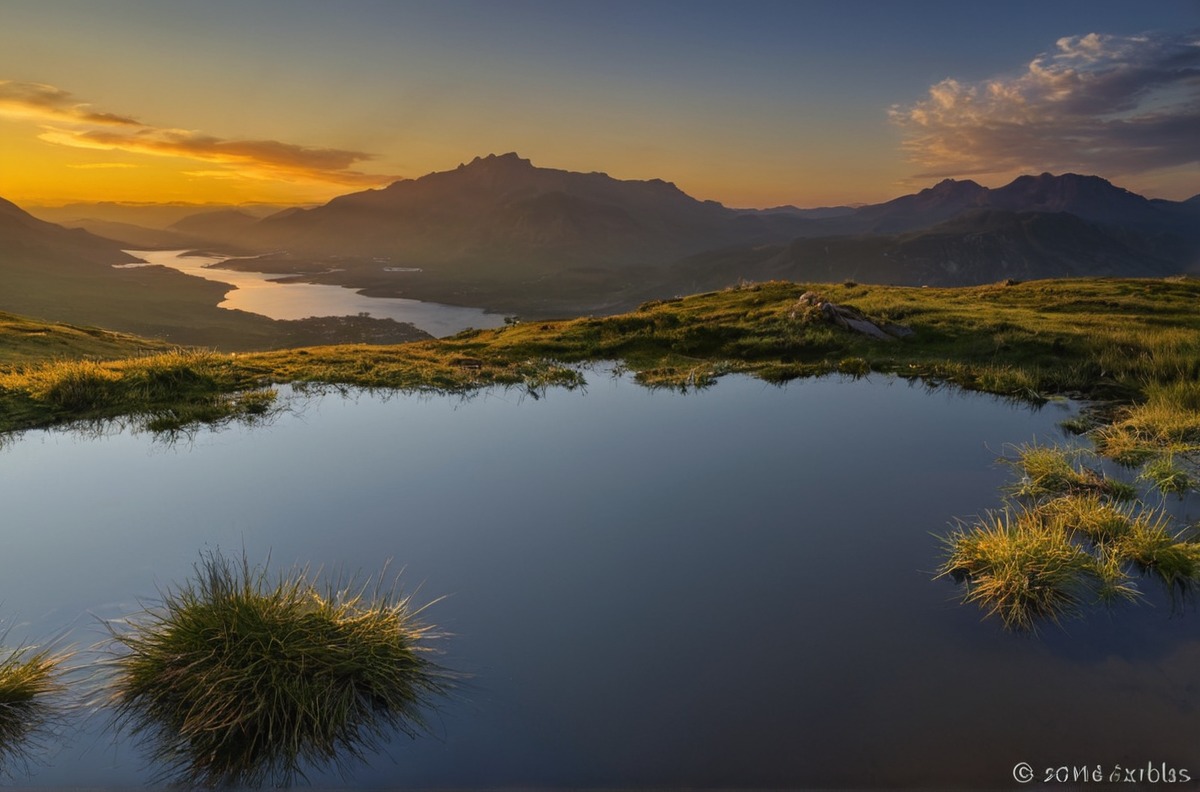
725 589
261 293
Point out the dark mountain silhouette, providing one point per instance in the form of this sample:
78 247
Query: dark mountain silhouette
929 207
24 238
1089 197
502 211
979 246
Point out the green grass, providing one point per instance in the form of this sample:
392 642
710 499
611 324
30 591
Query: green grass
235 680
1167 475
1048 471
29 682
162 391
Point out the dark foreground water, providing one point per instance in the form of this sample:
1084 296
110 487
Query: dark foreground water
727 589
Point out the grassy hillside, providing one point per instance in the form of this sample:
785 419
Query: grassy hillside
1115 339
26 341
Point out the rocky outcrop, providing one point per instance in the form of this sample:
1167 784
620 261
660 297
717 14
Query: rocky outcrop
813 307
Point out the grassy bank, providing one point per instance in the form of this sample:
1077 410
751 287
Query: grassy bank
1126 340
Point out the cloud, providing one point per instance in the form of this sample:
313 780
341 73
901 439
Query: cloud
103 165
67 122
1098 104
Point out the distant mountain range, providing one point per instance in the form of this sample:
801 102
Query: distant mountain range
501 211
501 233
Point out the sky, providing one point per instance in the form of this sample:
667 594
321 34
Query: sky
752 104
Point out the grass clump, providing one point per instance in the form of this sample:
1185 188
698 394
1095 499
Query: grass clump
237 681
1020 571
1155 548
1073 538
1166 475
29 680
1047 471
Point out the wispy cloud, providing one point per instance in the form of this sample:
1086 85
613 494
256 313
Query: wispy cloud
68 122
103 165
1098 104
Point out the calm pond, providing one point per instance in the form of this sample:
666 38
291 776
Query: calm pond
723 589
261 293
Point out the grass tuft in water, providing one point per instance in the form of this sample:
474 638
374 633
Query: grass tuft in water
234 680
29 681
1048 471
1018 569
1155 548
1166 475
1045 560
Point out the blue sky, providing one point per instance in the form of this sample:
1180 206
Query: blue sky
751 104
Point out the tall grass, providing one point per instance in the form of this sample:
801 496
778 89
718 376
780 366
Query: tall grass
1047 558
29 682
1018 570
236 680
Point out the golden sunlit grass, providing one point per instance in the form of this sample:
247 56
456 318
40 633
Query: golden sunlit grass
1069 542
1017 569
164 391
235 680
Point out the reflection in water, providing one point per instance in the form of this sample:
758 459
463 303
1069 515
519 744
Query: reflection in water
725 589
261 293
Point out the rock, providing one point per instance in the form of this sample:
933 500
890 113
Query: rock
850 318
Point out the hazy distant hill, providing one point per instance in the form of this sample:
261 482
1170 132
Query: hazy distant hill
67 275
943 201
218 224
151 226
145 215
979 246
136 237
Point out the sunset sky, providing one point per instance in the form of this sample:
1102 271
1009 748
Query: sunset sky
751 104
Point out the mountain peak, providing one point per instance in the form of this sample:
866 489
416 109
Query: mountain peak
511 159
948 187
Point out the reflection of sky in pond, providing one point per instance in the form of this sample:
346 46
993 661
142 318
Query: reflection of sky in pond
259 293
724 589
